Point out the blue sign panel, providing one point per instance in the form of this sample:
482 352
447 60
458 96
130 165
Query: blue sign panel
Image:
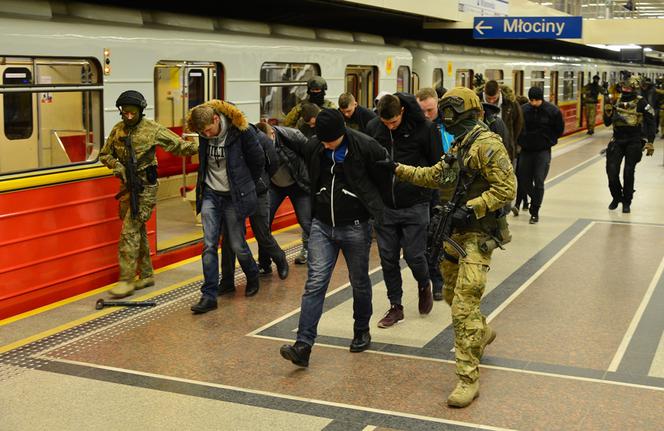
527 27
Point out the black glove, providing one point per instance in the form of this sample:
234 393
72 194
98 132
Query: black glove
387 163
463 216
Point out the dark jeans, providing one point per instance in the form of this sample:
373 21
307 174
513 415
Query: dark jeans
632 152
403 228
302 206
218 212
260 225
325 242
521 195
533 169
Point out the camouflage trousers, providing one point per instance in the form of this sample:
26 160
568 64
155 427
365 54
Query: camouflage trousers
590 111
463 288
133 247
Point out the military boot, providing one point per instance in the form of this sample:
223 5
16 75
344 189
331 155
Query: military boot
489 336
464 393
122 289
142 283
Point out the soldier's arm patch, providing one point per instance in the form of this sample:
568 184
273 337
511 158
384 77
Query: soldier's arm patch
504 164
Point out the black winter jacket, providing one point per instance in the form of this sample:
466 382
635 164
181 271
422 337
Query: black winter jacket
543 125
360 118
416 142
271 161
295 163
360 169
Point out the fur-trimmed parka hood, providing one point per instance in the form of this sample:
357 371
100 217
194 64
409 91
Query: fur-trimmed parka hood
230 111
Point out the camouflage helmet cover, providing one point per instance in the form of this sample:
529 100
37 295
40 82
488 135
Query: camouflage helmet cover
456 102
632 82
317 82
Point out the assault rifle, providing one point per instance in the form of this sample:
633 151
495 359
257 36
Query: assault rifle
134 184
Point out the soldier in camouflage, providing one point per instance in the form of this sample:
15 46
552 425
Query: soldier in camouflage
316 88
144 135
483 166
591 93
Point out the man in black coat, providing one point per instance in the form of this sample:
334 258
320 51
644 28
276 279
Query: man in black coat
344 196
410 138
543 125
357 117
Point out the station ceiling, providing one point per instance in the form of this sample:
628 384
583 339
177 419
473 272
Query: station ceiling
340 15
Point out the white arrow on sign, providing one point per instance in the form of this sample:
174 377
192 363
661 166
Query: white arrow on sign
479 27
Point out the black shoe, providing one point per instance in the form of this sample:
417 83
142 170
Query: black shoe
533 219
298 353
282 268
525 206
626 208
437 295
204 305
264 270
361 341
252 287
225 288
614 204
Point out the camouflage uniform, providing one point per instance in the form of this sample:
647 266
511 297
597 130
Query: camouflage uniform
491 190
591 92
294 115
145 136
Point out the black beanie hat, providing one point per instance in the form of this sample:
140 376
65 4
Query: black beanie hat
330 125
535 93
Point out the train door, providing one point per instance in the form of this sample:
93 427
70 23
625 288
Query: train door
553 91
517 82
579 106
464 78
178 87
362 83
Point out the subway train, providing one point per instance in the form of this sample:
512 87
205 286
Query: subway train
64 65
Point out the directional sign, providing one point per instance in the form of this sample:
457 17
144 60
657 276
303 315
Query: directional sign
527 27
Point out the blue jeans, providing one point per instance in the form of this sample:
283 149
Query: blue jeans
301 204
218 211
403 228
325 241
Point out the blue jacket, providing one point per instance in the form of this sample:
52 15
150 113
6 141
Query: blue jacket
245 160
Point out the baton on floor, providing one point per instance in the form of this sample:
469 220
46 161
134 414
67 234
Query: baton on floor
101 304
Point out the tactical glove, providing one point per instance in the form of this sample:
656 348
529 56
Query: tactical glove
650 149
387 163
119 171
463 217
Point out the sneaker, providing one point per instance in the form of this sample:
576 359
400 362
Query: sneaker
301 258
425 299
298 353
525 206
142 283
438 294
614 204
393 315
489 336
464 393
361 341
122 289
533 219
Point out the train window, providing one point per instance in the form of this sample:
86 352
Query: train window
613 77
495 74
403 79
537 78
464 78
181 85
283 85
568 85
415 82
604 76
438 77
17 107
362 83
52 112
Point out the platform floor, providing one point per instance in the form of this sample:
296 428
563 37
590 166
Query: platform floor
576 301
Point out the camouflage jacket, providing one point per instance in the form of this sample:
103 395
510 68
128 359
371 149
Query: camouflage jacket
295 113
145 136
487 155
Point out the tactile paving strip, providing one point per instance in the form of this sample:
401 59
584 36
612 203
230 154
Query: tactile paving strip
85 335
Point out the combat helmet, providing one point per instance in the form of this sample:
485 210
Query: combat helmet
316 82
631 82
131 98
459 104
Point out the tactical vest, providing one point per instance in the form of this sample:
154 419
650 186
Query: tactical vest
626 114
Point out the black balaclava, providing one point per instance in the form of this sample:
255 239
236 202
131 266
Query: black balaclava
317 98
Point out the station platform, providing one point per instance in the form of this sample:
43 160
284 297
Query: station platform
576 301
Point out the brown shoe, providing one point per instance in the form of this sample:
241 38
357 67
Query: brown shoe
425 302
393 315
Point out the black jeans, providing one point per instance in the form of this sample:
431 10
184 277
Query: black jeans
260 225
403 228
632 151
533 169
